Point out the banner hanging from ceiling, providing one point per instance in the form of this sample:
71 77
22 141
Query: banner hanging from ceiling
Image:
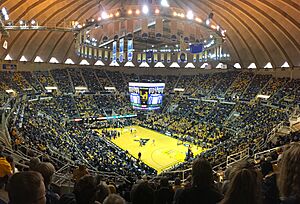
114 59
130 50
121 55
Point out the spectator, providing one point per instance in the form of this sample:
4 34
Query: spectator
177 184
270 191
47 170
289 176
3 192
243 189
202 185
85 190
142 193
80 172
114 199
102 192
5 167
33 163
164 194
26 188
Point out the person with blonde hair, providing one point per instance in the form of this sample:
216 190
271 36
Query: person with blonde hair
289 175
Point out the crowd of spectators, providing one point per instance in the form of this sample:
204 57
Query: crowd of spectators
208 114
274 180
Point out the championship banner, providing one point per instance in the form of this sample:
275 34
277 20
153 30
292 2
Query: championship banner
139 57
200 57
95 53
114 57
100 54
130 50
90 52
82 51
155 57
86 51
162 57
144 58
169 57
195 58
106 55
121 53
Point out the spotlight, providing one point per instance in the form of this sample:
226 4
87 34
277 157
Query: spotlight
190 15
117 14
33 22
137 12
207 22
157 11
129 12
21 22
165 3
104 15
145 9
5 14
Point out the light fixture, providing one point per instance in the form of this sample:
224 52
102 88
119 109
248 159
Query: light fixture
129 12
165 3
157 11
21 22
137 12
207 22
104 15
99 18
4 13
33 22
117 14
145 9
190 15
174 13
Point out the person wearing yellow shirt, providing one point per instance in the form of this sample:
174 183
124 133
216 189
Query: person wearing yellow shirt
5 167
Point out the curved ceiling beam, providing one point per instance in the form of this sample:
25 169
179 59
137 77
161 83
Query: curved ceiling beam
278 25
61 21
15 39
251 32
265 30
81 16
47 20
230 25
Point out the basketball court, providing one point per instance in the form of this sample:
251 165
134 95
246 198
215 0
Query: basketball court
159 152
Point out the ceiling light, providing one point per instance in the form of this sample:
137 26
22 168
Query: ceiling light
190 15
145 9
104 15
21 22
137 12
129 12
33 22
174 13
165 3
157 11
207 22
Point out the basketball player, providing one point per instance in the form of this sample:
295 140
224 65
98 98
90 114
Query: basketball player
139 156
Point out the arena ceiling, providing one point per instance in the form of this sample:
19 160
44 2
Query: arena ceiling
258 31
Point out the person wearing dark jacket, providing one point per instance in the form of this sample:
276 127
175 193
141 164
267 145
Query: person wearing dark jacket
164 194
202 190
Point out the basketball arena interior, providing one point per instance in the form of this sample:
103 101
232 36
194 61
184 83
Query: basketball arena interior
149 101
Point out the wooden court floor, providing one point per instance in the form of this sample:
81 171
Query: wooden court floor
160 154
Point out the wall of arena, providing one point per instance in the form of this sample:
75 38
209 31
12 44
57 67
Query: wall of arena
276 72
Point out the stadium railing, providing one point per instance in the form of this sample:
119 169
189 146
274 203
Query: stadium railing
236 157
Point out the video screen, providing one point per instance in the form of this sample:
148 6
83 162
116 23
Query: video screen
146 96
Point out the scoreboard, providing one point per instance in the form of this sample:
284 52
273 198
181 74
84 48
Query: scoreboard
146 96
